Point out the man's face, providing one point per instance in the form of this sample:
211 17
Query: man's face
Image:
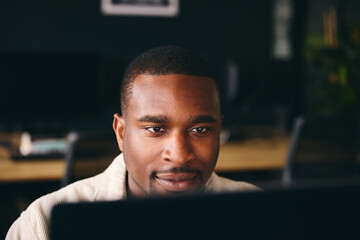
169 134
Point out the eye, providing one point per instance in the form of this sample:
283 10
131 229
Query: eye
200 130
154 129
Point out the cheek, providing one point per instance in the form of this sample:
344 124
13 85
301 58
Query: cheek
139 154
142 148
207 154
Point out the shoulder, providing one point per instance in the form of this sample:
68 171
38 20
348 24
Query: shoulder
109 185
33 222
221 184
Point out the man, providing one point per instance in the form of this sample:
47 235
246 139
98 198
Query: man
168 134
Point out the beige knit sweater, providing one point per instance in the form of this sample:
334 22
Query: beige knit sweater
107 186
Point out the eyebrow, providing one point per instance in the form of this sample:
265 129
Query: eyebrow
154 119
164 119
203 119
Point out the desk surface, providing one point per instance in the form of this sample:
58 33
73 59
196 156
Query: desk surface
261 154
249 155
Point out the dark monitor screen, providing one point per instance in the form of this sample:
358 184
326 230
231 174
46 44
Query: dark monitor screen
308 213
48 85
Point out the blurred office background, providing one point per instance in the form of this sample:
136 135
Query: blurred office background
61 64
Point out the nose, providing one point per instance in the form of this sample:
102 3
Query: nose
178 149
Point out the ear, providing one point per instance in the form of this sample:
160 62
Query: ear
221 122
119 129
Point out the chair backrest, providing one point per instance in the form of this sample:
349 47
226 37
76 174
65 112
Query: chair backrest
322 149
72 139
89 153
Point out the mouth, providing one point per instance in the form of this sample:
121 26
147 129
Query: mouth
177 182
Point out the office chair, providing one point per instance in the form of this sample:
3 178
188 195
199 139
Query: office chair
95 148
71 139
322 149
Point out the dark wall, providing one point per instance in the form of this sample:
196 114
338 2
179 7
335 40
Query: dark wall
236 27
240 31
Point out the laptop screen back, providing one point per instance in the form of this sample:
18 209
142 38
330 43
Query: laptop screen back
315 213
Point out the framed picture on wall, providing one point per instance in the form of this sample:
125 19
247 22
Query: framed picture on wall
158 8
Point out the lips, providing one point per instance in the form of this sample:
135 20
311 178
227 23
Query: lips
177 182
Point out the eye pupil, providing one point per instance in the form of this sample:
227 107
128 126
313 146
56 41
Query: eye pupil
199 129
156 129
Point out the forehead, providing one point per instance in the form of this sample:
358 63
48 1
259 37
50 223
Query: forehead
174 94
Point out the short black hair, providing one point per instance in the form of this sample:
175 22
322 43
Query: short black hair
162 61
